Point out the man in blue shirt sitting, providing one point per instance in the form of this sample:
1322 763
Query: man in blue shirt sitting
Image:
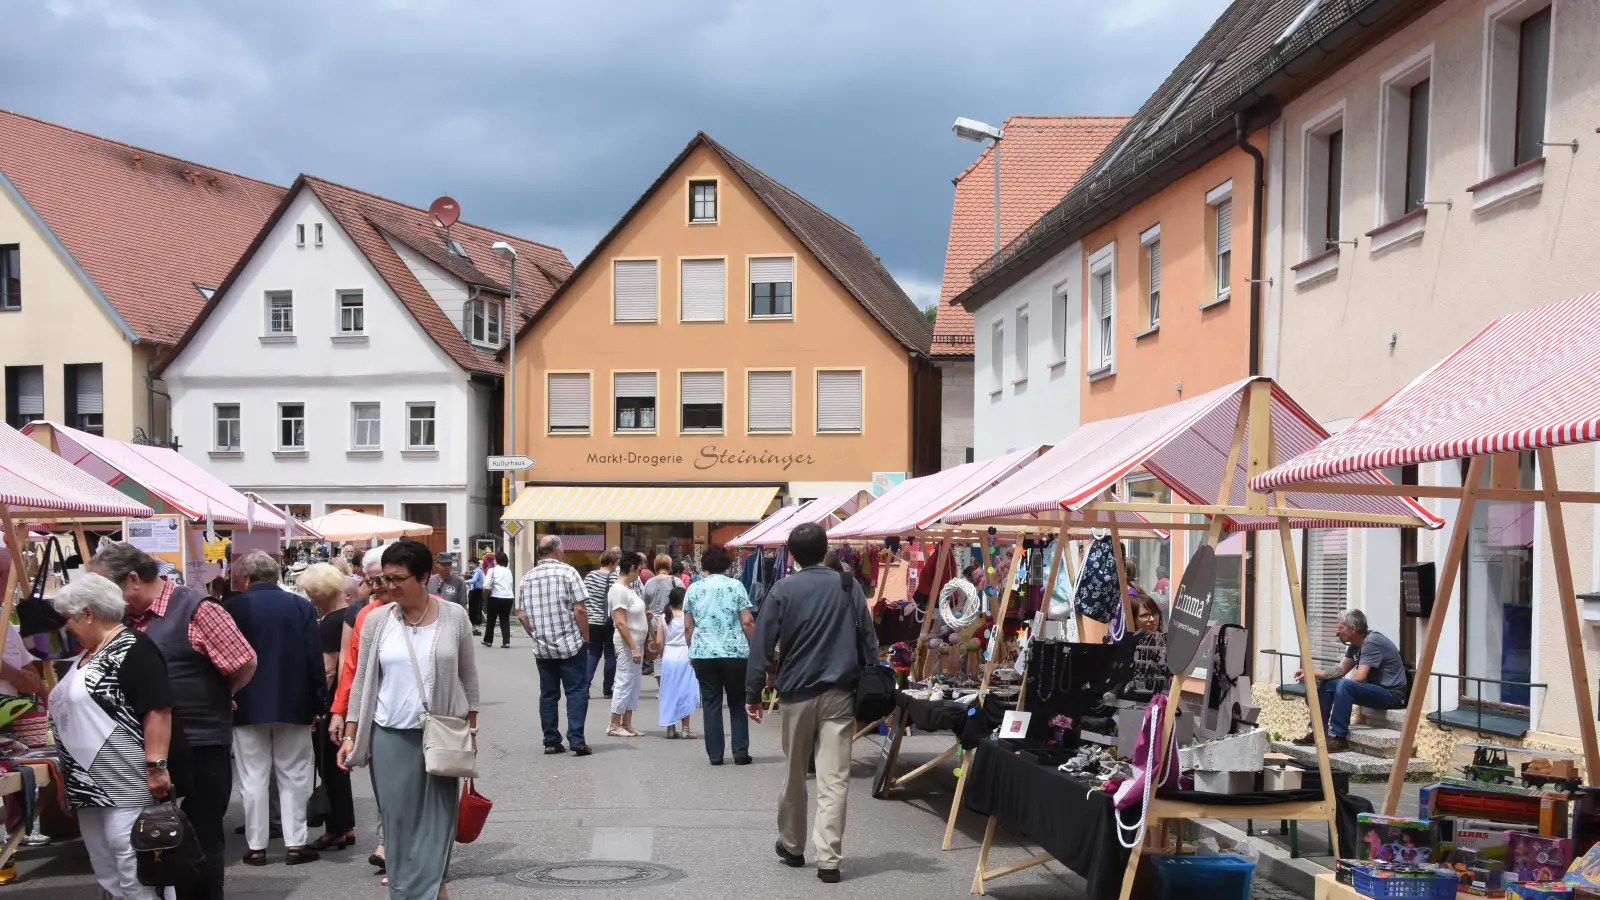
1371 674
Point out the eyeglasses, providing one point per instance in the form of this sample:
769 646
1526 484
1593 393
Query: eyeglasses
396 579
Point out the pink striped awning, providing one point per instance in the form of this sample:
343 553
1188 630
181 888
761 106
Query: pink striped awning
1185 445
35 481
166 474
824 511
1529 380
916 503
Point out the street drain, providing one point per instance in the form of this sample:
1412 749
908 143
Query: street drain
595 874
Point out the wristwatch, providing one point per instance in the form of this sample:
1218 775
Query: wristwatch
160 764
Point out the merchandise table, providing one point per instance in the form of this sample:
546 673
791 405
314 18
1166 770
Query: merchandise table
952 716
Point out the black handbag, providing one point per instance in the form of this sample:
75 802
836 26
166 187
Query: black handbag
35 614
876 689
317 807
164 844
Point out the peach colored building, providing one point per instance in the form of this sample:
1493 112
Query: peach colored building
725 346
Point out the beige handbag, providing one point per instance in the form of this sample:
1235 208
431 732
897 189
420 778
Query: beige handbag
447 749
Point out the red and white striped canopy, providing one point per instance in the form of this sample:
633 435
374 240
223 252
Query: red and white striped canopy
1529 380
774 530
1185 445
35 481
916 503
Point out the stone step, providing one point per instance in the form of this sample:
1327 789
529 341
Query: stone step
1374 741
1350 762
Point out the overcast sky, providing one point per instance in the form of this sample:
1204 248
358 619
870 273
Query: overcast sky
547 118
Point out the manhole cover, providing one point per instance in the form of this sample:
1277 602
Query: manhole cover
594 873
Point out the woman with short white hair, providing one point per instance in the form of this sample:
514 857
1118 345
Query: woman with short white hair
120 748
324 584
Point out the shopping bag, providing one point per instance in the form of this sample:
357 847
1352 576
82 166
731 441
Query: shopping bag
471 813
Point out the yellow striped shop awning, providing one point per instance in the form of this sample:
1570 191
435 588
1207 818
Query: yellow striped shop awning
554 503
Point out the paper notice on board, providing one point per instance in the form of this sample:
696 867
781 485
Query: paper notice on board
164 535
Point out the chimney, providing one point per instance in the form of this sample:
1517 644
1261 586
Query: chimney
138 161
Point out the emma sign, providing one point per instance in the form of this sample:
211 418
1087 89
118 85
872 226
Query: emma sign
710 457
1191 610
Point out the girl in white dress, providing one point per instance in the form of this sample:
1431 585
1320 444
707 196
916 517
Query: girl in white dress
680 689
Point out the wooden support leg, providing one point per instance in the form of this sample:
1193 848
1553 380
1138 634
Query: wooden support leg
983 856
955 805
1571 621
920 651
897 731
1303 634
1430 644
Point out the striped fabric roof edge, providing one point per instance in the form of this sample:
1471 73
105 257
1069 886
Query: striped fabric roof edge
1529 380
33 479
627 503
824 511
916 503
752 535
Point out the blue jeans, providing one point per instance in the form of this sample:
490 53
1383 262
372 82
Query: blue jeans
1338 695
569 676
721 678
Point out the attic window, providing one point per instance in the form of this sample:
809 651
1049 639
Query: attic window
317 230
300 235
1299 22
457 249
206 290
1181 99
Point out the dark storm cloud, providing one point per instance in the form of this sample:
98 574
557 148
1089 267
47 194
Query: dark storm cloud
549 118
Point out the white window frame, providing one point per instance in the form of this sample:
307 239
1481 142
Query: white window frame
997 357
412 418
493 315
588 381
299 234
1314 237
1150 283
1102 361
268 325
655 309
861 399
217 420
316 231
1019 346
373 440
278 426
1394 134
361 311
1060 322
616 404
1501 22
1220 290
749 419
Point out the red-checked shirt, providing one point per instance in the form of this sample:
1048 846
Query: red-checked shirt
212 632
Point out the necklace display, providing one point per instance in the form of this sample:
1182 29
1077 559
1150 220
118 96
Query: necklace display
1047 681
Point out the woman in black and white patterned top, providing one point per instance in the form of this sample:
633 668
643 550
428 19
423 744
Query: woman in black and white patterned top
120 748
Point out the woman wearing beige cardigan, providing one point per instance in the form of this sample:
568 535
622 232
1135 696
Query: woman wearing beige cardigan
385 722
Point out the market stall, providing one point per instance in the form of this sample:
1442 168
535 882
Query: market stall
1527 383
828 512
42 489
1204 449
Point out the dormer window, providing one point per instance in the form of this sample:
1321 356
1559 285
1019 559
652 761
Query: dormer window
483 322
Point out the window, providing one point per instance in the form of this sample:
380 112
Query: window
1150 279
1102 311
10 276
703 286
1417 144
635 400
352 313
1533 84
85 398
772 287
420 419
227 427
291 426
1497 574
300 235
1327 555
317 230
569 402
997 357
1324 184
1060 317
839 400
483 321
1222 254
1403 137
771 401
702 201
701 394
366 426
634 290
1519 83
1022 345
24 395
280 313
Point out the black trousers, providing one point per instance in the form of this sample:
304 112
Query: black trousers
475 606
499 611
206 804
336 782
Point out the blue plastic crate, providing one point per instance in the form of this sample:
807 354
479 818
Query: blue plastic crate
1441 887
1217 877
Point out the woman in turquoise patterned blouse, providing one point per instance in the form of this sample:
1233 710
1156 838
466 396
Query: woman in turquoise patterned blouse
718 625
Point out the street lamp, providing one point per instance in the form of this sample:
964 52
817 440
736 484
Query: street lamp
973 130
508 253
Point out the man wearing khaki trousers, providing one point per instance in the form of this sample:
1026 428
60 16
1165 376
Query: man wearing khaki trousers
827 638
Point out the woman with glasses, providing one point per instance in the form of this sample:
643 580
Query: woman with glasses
416 658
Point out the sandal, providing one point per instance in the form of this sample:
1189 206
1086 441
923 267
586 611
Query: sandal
255 858
378 861
688 735
672 732
334 842
632 733
617 731
295 856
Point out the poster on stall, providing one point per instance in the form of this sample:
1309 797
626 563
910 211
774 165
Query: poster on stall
156 535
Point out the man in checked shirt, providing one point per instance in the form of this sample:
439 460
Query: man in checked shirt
208 660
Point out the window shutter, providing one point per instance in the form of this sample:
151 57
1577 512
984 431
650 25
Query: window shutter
1327 572
1224 226
1155 267
702 387
1104 300
634 290
569 401
771 401
772 269
635 384
705 289
89 393
838 401
30 391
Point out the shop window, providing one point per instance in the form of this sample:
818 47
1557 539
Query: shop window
568 402
635 290
85 397
1497 580
675 539
702 395
771 396
771 287
24 395
702 201
839 401
581 542
10 277
1151 557
635 401
227 428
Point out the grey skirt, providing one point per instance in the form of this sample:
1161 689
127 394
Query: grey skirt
419 814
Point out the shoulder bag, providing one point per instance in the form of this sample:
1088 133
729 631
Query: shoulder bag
446 740
876 689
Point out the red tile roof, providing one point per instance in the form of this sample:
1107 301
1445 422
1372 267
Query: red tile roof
1041 158
145 226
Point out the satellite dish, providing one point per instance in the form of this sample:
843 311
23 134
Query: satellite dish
446 211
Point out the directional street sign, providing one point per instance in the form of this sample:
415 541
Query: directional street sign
510 463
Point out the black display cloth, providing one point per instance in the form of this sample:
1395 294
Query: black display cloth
955 716
1060 813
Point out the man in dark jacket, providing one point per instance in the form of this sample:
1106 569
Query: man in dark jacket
827 638
208 661
273 716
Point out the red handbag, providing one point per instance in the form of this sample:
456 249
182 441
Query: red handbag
472 812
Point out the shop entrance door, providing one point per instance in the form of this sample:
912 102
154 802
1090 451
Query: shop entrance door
428 514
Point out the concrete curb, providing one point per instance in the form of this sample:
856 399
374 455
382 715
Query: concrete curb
1276 866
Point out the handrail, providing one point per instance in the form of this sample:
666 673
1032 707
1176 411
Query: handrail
1478 700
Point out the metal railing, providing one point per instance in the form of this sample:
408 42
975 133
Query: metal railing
1280 655
1477 702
